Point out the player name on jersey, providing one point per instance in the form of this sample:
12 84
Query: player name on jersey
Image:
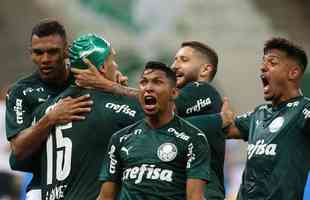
56 192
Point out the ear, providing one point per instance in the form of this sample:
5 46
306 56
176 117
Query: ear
294 72
205 71
174 93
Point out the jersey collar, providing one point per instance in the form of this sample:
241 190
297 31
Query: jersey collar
284 103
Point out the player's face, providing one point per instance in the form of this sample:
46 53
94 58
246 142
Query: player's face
156 93
275 75
49 53
187 65
110 66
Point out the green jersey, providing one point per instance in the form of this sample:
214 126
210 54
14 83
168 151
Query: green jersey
22 99
155 163
74 152
278 150
199 98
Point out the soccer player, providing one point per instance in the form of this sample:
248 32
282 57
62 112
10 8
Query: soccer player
195 65
48 51
74 152
278 132
161 156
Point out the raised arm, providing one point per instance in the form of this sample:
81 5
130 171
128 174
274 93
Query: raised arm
228 117
29 140
225 120
91 78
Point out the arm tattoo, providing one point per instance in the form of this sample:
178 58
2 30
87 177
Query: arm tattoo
125 91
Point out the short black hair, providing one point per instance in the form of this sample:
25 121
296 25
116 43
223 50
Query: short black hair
155 65
47 27
292 50
206 51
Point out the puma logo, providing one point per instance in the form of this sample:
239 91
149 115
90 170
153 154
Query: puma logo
126 150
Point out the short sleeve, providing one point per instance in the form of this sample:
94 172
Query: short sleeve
198 98
18 114
243 122
111 167
198 158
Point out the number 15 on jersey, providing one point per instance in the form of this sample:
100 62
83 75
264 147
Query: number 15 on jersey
60 153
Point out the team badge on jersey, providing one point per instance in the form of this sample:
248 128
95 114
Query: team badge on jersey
166 152
276 124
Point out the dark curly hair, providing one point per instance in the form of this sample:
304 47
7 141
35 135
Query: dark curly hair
292 50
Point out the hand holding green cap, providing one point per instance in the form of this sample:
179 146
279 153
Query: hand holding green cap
91 46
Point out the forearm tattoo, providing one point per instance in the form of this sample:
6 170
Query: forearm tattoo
124 90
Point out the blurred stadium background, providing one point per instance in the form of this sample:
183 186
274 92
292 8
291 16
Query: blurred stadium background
142 30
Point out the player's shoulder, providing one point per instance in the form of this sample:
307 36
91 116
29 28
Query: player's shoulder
127 130
28 79
199 85
200 90
306 107
124 98
187 127
306 101
262 107
117 98
23 84
75 91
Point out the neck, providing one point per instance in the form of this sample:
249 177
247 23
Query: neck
62 79
159 120
289 94
204 79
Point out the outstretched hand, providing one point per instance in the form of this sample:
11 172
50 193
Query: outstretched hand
227 114
70 109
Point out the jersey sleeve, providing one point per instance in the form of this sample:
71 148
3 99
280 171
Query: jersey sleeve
306 120
18 114
198 158
242 122
111 167
32 162
198 98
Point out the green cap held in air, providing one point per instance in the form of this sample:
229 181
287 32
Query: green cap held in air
91 46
